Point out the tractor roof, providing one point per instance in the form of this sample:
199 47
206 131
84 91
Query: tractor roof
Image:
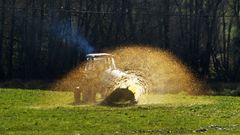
98 54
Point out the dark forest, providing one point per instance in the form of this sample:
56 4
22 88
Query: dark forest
44 39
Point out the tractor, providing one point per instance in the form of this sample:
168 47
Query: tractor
114 86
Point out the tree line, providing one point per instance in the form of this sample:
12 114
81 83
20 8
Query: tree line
43 39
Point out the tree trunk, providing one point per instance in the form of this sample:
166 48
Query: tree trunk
228 44
130 19
40 40
11 43
32 53
52 37
2 76
166 4
210 24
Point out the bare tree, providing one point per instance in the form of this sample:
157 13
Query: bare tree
166 12
11 42
2 38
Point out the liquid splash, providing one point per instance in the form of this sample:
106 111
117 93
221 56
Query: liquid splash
162 73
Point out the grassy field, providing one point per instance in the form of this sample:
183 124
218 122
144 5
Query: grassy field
49 113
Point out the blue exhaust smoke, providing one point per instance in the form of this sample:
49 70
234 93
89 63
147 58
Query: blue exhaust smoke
70 35
82 42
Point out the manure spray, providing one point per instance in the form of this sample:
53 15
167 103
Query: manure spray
143 70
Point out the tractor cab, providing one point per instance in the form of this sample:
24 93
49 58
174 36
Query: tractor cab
102 61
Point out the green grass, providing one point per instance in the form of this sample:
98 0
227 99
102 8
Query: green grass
48 113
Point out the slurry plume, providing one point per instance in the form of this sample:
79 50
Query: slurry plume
162 73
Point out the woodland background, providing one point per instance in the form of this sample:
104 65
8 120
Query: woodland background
44 39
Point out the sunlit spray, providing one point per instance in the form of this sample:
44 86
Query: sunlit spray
164 72
142 70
